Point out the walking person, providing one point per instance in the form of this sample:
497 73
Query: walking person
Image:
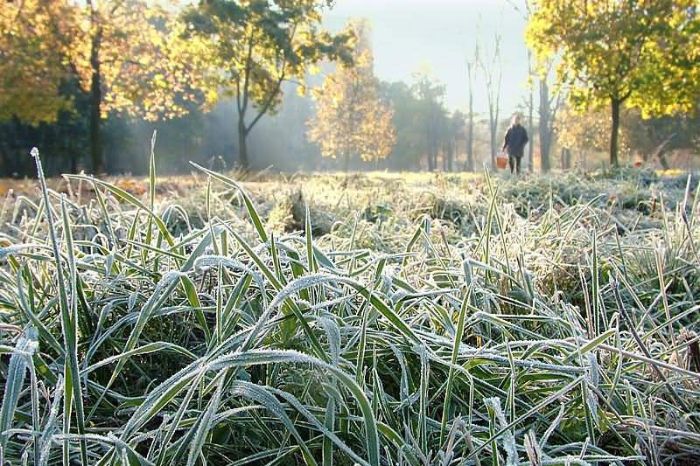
514 143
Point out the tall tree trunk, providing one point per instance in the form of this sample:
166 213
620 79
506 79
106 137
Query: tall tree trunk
531 135
660 152
242 143
470 140
6 159
430 149
544 127
494 79
5 163
470 126
492 129
562 159
530 125
494 109
73 161
565 158
436 151
450 155
96 104
615 130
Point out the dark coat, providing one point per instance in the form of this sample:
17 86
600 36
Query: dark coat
515 140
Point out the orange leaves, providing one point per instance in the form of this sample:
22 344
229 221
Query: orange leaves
145 66
142 59
30 67
351 120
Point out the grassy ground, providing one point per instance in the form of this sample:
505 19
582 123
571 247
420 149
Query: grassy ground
378 319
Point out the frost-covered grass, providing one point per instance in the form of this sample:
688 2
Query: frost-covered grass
382 320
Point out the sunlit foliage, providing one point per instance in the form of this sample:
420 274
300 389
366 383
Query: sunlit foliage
635 53
252 46
352 121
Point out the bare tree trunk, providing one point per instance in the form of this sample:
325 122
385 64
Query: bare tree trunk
73 161
429 149
530 125
614 131
96 104
562 157
660 152
242 143
470 125
565 158
544 126
492 137
494 79
450 155
432 142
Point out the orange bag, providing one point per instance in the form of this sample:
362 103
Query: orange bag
501 161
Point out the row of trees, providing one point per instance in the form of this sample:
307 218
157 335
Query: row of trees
68 67
635 57
362 119
134 62
157 60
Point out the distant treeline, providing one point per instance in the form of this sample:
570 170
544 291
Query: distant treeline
230 84
280 143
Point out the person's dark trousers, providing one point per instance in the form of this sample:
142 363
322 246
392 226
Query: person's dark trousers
514 162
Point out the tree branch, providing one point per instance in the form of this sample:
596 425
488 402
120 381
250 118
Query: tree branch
266 105
246 78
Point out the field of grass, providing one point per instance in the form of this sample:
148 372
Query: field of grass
380 319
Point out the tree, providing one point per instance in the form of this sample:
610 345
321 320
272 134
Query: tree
586 132
423 127
548 107
31 72
471 71
130 56
525 10
455 132
432 113
37 93
351 120
654 138
649 138
64 140
530 114
253 46
636 52
408 122
493 74
124 53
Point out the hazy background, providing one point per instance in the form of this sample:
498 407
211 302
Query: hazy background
440 35
413 42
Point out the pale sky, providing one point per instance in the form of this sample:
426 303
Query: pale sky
440 34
